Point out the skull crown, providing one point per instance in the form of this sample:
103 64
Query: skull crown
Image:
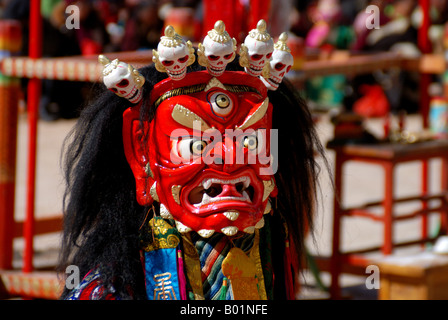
217 50
280 63
258 55
122 79
173 54
256 51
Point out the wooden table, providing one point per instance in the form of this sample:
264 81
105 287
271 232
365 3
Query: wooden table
422 276
388 156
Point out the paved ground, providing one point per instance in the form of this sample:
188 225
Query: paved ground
364 183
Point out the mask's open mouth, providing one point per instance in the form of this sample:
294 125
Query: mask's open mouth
213 190
217 201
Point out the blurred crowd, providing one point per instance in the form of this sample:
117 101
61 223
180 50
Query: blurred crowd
122 25
127 25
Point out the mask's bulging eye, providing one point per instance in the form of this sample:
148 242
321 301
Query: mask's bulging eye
221 104
250 142
255 142
222 101
190 148
197 147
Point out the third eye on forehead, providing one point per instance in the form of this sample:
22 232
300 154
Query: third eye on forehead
222 101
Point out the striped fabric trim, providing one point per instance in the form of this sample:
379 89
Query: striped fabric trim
212 252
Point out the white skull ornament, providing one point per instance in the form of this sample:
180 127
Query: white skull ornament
217 50
173 55
122 79
256 51
280 63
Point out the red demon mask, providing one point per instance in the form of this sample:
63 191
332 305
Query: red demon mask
207 158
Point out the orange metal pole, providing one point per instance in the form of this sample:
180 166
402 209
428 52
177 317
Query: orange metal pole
10 43
34 90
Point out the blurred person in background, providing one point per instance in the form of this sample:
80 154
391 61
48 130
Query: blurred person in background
359 23
60 99
396 33
91 35
329 32
142 25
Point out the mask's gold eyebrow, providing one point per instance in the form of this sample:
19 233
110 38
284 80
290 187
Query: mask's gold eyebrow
187 118
256 116
179 92
199 88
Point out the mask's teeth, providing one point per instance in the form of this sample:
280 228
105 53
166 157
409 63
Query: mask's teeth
246 196
246 182
153 192
175 191
229 231
269 186
164 213
205 200
207 184
206 233
268 207
249 230
182 228
231 215
260 224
